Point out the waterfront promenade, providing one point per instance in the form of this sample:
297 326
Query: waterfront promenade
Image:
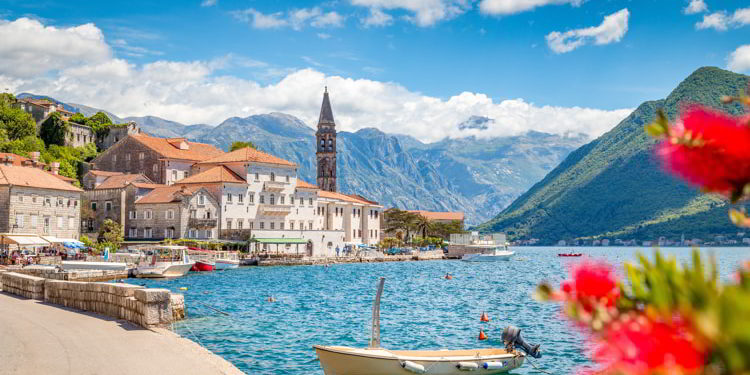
40 338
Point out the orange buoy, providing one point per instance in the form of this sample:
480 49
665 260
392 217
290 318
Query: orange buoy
448 276
484 318
482 336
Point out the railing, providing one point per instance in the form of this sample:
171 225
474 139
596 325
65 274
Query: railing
275 209
273 186
202 223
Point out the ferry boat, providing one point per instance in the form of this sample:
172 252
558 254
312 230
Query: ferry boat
375 360
496 254
164 261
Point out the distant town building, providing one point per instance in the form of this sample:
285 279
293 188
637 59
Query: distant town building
175 212
35 201
40 109
111 197
115 133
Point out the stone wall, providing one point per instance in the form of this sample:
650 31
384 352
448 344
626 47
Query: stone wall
146 307
74 275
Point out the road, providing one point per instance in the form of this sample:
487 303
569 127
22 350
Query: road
40 338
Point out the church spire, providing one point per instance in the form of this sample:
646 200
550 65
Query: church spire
325 143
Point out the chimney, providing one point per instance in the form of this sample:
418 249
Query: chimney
54 167
34 156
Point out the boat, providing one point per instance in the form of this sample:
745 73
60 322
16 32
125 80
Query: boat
374 360
203 259
496 254
225 260
203 265
569 254
164 261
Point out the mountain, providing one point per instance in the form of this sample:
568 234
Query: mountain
613 187
479 176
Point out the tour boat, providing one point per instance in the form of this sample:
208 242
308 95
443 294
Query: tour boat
226 260
374 360
494 255
202 265
164 261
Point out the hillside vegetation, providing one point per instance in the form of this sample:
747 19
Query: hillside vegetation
614 188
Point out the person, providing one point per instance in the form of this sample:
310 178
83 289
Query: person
338 250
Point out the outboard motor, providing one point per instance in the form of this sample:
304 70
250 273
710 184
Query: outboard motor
512 339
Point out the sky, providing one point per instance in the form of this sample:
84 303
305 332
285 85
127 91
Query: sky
416 67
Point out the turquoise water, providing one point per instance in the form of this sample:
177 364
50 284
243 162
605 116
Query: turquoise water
419 310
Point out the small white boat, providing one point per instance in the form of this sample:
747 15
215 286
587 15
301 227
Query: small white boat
164 261
225 260
374 360
496 254
103 266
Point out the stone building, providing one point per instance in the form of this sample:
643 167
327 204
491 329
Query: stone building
35 201
116 133
93 178
175 212
162 160
40 109
111 199
79 135
325 139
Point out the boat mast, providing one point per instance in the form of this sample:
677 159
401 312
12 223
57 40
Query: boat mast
375 338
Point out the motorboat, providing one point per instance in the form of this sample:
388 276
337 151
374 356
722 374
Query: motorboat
204 261
225 260
569 254
164 261
496 254
375 360
203 265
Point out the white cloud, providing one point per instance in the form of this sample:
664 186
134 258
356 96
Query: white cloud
423 12
721 21
198 92
209 3
506 7
377 18
297 19
739 60
611 30
695 6
324 36
29 48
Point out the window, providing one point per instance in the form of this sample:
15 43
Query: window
354 233
71 223
291 225
148 215
60 222
201 199
241 198
291 200
107 206
281 199
310 203
174 175
229 223
251 225
310 225
93 206
20 197
169 214
262 225
273 176
209 233
191 233
33 221
127 157
272 199
147 233
19 220
155 168
257 177
193 214
229 198
208 214
251 198
114 158
133 215
133 232
272 225
281 225
141 156
287 178
239 223
60 202
262 199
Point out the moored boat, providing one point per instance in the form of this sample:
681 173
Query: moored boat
225 260
569 254
164 261
494 255
203 265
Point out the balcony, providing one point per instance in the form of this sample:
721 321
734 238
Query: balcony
196 223
274 209
274 186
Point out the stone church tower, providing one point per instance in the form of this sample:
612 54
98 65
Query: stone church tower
325 139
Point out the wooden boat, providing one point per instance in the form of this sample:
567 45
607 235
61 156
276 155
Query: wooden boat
164 261
374 360
203 265
204 259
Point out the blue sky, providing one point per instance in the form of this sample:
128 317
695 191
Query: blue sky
499 49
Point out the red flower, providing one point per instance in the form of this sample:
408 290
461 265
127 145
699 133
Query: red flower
638 345
709 149
592 282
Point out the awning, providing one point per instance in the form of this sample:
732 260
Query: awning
279 240
22 240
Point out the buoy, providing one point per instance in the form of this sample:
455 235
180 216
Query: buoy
495 365
448 276
183 288
484 317
467 366
482 336
271 299
413 367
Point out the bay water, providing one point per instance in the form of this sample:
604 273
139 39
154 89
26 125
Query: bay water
420 309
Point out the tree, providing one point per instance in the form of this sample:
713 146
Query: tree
78 118
14 121
422 225
236 145
111 232
54 130
99 123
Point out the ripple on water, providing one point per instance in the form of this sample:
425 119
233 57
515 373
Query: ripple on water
420 309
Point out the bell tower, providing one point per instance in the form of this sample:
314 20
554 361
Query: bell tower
325 141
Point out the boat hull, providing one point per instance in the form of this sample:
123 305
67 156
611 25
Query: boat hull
337 360
203 266
163 271
226 264
486 257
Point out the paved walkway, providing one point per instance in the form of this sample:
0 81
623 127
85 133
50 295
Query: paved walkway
39 338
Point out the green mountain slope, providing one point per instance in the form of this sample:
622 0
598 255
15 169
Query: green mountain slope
614 188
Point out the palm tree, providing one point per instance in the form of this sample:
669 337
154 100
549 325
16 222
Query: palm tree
422 225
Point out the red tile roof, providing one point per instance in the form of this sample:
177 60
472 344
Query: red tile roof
104 173
122 180
32 177
248 154
170 148
218 173
64 178
342 197
168 194
145 185
431 215
305 185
